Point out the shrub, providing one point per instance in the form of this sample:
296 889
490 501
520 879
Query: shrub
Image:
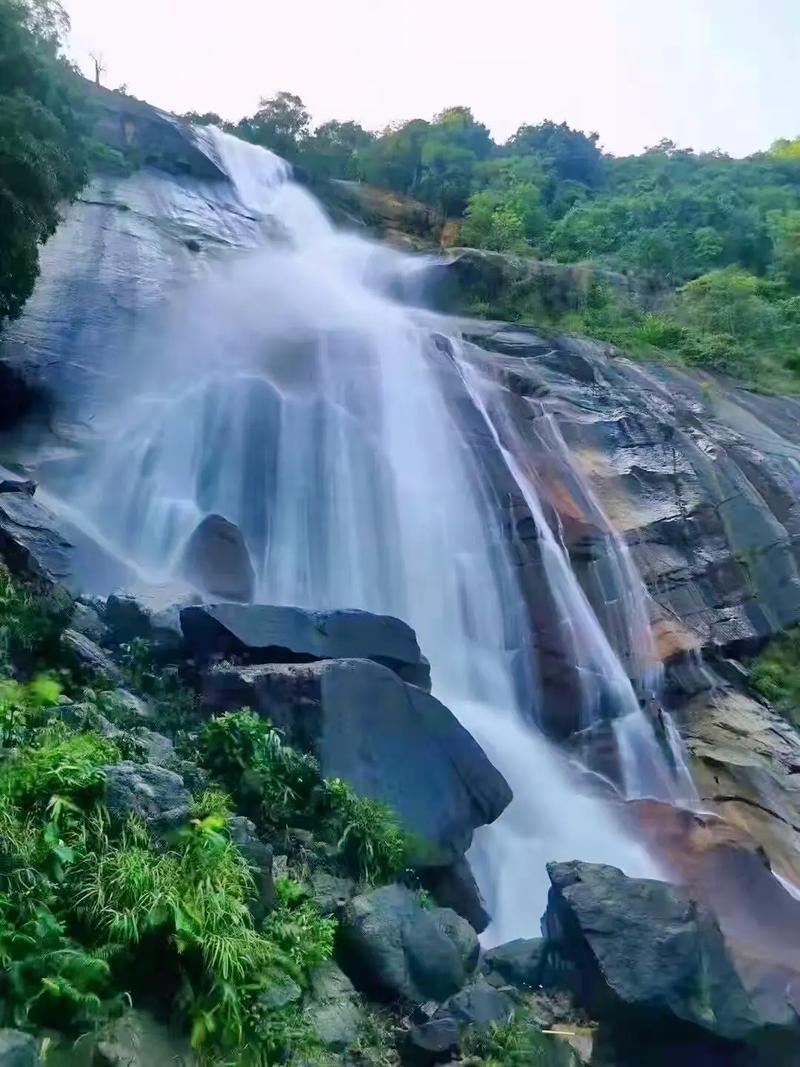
272 782
775 674
516 1043
369 836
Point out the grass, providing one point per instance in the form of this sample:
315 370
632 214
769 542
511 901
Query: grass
516 1043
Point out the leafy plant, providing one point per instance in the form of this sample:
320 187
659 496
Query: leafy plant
516 1043
369 836
775 674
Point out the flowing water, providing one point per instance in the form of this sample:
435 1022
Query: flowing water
292 393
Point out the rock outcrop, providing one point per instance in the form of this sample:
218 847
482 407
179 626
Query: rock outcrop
389 740
260 633
644 958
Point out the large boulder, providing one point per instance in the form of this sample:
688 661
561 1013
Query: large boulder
216 560
18 1049
517 963
391 946
150 612
641 955
260 633
389 740
156 795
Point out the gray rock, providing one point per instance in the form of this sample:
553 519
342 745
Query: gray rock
86 620
478 1005
413 754
259 855
454 886
138 1040
462 935
330 893
391 947
18 1049
432 1041
641 954
30 542
151 612
334 1012
518 963
90 656
158 748
130 704
145 790
216 561
264 634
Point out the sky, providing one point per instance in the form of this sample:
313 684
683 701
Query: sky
705 73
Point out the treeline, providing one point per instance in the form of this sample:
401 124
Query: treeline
550 191
714 241
43 150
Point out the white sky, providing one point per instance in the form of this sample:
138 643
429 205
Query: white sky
707 73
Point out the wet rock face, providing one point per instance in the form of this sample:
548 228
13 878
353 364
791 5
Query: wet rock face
698 475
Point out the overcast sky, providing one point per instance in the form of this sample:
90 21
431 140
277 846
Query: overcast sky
706 73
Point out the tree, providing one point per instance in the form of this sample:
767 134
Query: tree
784 229
570 154
99 65
281 123
42 154
336 148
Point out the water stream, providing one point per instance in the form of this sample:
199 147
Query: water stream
290 392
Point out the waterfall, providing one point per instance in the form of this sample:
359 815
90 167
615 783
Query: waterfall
291 393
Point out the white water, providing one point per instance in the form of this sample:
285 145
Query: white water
291 394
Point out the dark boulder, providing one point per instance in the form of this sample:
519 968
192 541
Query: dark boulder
432 1042
90 657
18 485
216 560
455 887
156 795
150 612
260 633
642 956
18 1049
518 963
459 931
392 947
389 740
478 1005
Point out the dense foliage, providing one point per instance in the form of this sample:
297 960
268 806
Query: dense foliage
775 674
712 242
42 150
96 911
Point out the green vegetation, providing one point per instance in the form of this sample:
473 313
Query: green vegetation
98 912
42 151
516 1043
775 674
277 787
709 244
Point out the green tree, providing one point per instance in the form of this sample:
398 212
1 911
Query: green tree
282 124
42 154
784 229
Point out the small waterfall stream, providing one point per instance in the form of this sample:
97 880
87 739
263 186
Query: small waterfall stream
289 393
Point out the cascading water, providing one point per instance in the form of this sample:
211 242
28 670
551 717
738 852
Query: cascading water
288 392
